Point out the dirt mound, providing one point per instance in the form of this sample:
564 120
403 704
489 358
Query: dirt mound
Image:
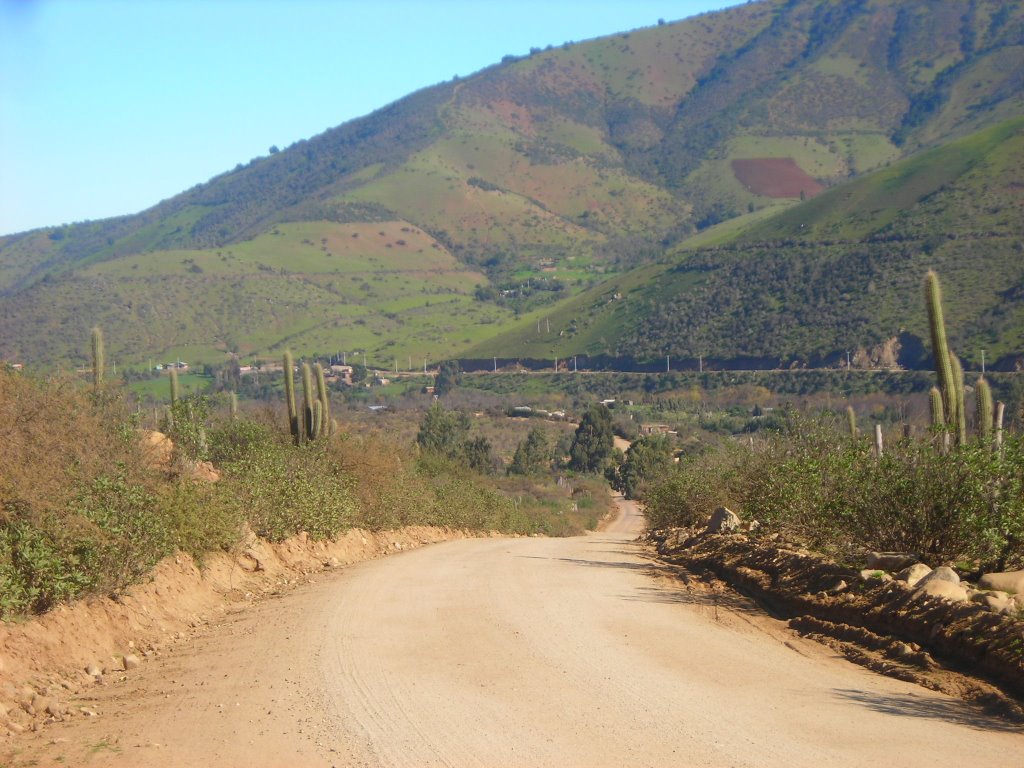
774 177
45 660
962 649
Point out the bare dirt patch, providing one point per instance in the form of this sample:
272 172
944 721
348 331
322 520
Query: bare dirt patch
774 177
45 661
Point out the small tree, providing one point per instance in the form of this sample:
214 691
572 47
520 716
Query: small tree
478 454
647 459
448 377
443 432
532 455
592 446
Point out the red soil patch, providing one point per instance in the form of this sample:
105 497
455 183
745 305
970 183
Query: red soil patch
774 177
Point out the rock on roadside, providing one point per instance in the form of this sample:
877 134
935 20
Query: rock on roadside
889 561
914 574
1010 581
723 520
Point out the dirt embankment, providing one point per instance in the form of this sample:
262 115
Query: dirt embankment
961 649
47 659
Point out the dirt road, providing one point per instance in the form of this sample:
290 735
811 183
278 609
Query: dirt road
516 652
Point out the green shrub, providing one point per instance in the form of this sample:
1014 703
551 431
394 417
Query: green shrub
288 489
688 493
132 531
185 424
832 493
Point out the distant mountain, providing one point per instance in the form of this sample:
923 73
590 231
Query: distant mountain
840 273
530 180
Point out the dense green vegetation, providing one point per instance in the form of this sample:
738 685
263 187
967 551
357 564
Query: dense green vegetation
949 497
830 491
837 274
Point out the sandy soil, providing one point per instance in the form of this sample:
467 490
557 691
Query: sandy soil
514 652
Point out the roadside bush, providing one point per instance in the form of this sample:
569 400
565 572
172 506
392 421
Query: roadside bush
82 513
186 426
285 489
831 492
129 531
688 493
78 507
206 517
389 488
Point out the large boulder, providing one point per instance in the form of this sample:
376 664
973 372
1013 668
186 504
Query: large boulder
889 561
942 573
723 520
914 574
940 588
997 602
1009 581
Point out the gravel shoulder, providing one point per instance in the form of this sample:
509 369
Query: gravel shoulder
532 652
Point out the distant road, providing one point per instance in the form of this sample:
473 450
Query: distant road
520 652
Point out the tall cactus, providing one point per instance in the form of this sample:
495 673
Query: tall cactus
98 360
317 421
175 387
946 365
323 398
294 425
938 414
851 420
961 409
983 410
307 401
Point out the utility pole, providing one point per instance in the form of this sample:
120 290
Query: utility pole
668 365
575 367
556 365
847 359
495 364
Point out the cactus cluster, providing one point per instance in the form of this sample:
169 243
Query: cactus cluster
315 420
949 413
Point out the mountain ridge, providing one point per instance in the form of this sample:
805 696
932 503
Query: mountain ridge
577 161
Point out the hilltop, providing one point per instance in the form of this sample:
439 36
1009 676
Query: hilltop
525 183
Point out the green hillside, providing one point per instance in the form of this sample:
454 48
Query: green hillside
388 289
838 273
555 169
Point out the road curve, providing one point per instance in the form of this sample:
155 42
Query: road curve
524 652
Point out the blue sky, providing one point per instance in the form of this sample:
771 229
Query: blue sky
109 106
